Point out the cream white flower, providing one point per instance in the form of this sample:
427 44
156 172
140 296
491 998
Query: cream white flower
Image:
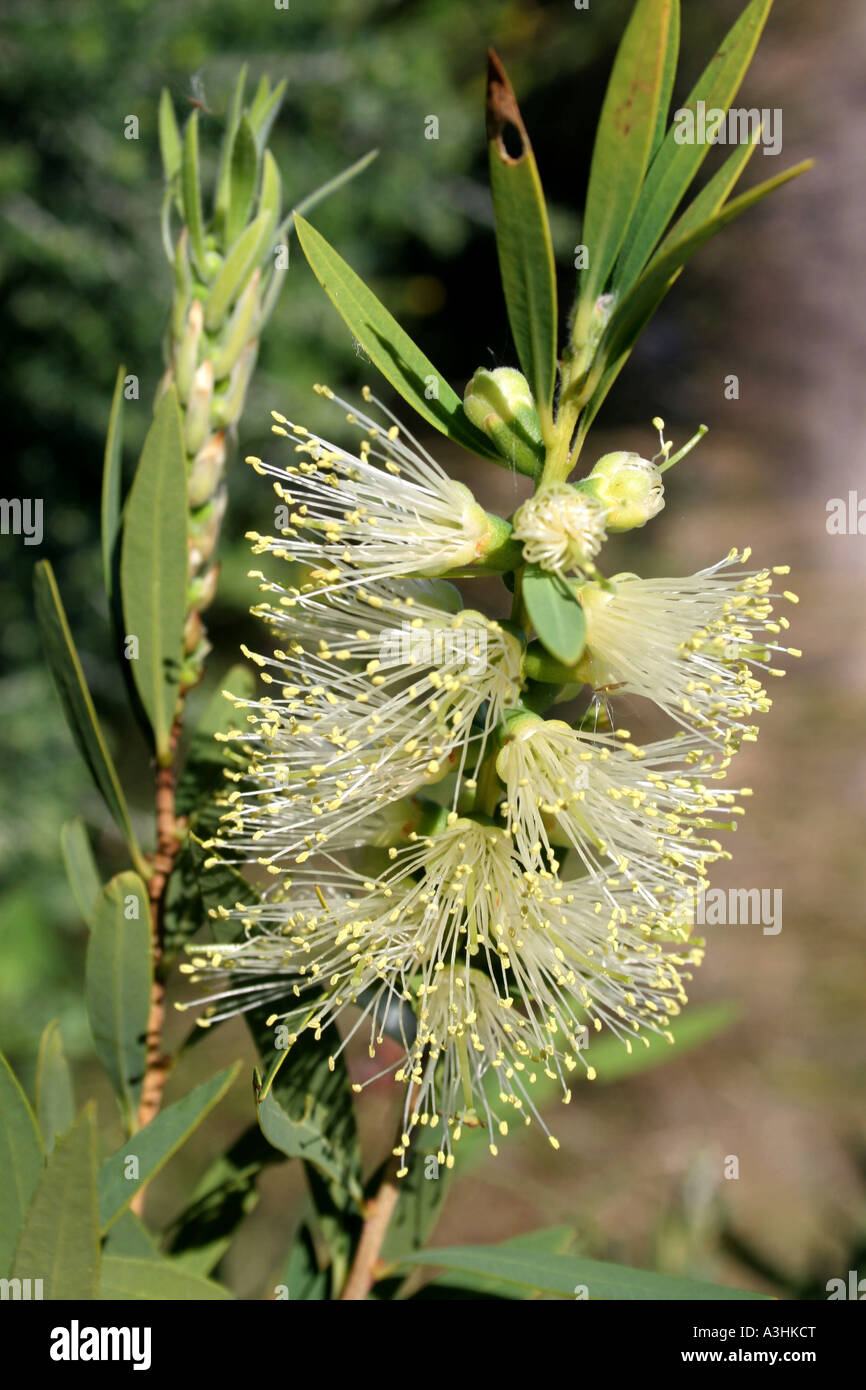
691 645
379 693
562 529
638 812
509 970
387 511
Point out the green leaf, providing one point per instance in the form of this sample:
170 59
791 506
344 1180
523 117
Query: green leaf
77 703
669 72
128 1278
169 137
191 189
227 147
54 1100
236 271
154 1145
22 1160
59 1241
244 172
111 479
523 241
623 144
130 1236
387 345
549 1240
153 568
676 164
555 614
118 984
80 867
208 757
225 1195
306 1111
264 109
270 198
566 1275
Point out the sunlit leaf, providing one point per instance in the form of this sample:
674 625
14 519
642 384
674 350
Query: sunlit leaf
523 239
153 568
388 346
118 984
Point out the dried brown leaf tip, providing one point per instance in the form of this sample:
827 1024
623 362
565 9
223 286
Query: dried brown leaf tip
505 126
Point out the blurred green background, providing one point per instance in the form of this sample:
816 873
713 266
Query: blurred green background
84 286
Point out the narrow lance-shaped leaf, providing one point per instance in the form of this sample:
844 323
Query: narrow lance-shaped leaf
523 239
153 568
54 1099
111 479
562 1274
264 112
548 1240
142 1155
80 867
236 270
22 1160
386 344
622 148
191 186
227 146
669 73
78 704
59 1241
677 163
244 169
169 137
118 984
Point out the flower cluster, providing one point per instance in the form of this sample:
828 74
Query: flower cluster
426 834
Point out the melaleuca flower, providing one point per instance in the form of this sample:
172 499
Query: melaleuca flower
562 529
387 511
619 965
380 692
690 644
633 811
508 968
577 961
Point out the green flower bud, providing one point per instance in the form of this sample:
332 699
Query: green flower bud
186 351
206 470
198 408
500 403
629 486
204 530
